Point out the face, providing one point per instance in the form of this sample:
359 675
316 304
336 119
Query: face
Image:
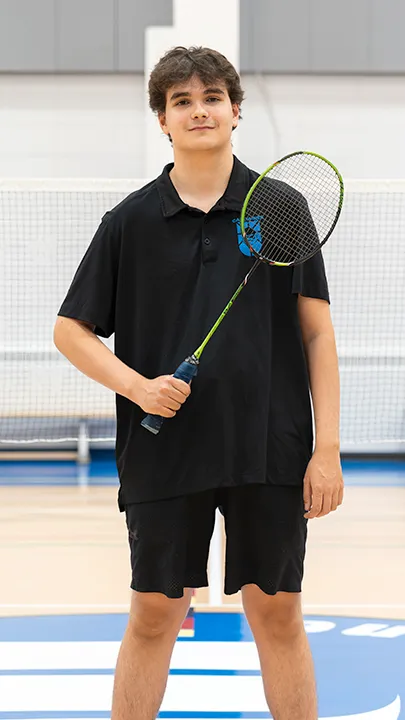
198 117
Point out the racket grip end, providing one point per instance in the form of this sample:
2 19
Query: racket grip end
153 423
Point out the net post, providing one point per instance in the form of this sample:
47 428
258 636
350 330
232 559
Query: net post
215 566
83 444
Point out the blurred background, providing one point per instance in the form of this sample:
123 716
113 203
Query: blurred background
316 73
76 136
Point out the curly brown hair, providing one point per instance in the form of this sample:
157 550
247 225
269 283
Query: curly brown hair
180 64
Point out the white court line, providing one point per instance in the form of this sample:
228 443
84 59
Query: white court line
95 655
90 693
388 606
39 606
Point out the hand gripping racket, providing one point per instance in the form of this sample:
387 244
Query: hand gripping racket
287 216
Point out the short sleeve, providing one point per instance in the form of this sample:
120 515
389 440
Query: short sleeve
309 278
92 294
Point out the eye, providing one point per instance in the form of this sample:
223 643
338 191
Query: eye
182 102
215 99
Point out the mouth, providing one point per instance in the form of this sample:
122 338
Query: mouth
202 127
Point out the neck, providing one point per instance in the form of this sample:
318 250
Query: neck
202 173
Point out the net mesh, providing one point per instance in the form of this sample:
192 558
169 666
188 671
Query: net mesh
293 209
44 231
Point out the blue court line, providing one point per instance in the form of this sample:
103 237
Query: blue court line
57 482
103 472
30 673
216 715
60 468
106 715
110 627
65 473
106 671
44 715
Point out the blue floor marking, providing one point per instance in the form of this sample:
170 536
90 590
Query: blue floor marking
110 671
68 715
355 673
378 473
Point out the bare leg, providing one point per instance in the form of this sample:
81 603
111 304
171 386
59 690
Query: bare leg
285 656
144 658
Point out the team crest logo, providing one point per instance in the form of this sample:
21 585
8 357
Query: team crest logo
252 227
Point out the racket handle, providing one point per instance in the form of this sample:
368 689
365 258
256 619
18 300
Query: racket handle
186 371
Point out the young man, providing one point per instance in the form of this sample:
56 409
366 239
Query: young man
158 272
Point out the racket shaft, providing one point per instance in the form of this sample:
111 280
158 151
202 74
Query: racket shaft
186 371
225 311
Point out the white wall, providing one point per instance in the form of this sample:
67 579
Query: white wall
93 126
71 126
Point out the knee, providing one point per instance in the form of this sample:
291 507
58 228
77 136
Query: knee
280 614
153 614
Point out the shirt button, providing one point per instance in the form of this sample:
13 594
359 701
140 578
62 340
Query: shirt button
207 241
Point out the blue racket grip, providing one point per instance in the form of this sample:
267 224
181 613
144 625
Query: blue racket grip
186 371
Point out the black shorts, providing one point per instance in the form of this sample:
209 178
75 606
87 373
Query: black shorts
265 539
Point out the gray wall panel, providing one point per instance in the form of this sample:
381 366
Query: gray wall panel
388 36
85 35
246 35
27 36
280 39
339 35
133 17
275 35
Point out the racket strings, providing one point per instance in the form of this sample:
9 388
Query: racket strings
296 204
279 244
282 234
288 247
302 228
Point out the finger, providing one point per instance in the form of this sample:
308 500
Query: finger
316 506
341 495
165 412
169 404
181 386
335 501
326 505
175 396
307 495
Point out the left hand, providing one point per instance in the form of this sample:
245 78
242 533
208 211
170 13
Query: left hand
323 483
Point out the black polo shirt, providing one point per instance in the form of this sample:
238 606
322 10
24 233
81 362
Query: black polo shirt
157 274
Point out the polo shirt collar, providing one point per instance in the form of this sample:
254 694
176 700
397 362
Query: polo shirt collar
232 198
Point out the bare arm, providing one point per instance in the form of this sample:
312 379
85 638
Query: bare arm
320 350
78 343
323 481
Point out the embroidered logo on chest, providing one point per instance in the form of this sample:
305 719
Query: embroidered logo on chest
252 227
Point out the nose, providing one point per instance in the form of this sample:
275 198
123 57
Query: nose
199 111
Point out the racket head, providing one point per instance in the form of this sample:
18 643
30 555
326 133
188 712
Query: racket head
292 209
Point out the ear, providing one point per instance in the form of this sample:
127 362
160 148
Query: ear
235 113
162 123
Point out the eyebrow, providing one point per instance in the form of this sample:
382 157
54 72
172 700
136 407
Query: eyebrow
208 91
